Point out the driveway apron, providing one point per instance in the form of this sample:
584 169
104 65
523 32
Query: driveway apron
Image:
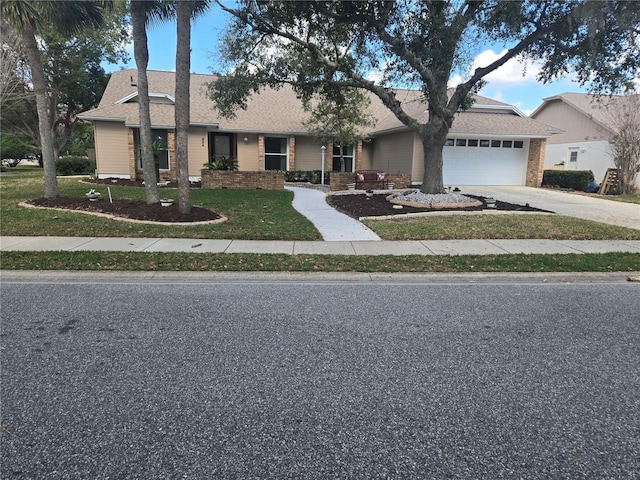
563 203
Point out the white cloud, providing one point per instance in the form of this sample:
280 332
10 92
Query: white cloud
514 72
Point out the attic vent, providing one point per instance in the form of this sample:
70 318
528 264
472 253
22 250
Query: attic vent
133 82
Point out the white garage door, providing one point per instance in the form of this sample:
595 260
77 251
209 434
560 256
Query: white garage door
485 162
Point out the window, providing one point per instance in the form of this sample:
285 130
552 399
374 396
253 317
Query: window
507 144
518 144
461 142
448 142
484 143
160 146
496 143
573 156
275 153
472 142
347 156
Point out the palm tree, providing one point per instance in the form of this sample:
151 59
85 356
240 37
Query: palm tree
185 11
26 17
183 104
142 12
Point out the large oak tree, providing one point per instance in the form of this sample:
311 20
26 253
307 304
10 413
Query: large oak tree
322 45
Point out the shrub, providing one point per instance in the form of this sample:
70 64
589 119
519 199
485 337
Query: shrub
311 176
75 166
575 179
13 146
222 162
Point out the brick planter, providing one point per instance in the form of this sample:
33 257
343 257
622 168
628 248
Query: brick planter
242 180
340 180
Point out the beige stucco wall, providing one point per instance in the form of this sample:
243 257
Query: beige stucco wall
112 149
248 153
417 167
198 150
577 126
366 160
308 154
394 153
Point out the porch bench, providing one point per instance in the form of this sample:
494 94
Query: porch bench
371 177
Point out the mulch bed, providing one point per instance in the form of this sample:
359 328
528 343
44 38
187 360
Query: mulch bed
355 206
124 182
358 206
132 209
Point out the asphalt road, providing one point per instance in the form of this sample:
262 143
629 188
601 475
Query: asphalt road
320 380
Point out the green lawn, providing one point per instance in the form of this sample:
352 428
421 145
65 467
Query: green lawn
635 198
530 225
268 215
252 214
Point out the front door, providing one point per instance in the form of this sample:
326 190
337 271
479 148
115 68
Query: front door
220 145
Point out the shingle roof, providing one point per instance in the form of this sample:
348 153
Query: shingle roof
280 111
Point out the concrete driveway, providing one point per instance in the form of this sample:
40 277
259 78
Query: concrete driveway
563 203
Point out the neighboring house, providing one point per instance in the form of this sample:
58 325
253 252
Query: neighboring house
587 128
490 144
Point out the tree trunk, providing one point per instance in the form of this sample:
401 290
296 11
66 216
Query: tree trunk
432 147
45 122
141 55
182 105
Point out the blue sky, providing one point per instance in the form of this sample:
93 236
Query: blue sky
508 84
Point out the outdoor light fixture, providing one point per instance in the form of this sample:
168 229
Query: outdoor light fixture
322 149
245 139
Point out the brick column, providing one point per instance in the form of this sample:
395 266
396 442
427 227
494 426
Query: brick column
173 159
131 147
261 152
535 163
292 152
358 154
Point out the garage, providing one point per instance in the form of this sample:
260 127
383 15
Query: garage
484 161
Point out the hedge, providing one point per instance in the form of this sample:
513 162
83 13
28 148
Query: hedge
575 179
75 166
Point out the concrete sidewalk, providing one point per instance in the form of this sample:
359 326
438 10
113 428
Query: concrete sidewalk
423 247
332 225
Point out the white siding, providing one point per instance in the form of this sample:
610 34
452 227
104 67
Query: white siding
592 156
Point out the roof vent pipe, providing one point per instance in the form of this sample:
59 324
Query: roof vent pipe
133 82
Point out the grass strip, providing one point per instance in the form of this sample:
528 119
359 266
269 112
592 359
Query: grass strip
635 198
161 261
516 226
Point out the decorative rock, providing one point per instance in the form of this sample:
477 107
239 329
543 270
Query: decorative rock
418 199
